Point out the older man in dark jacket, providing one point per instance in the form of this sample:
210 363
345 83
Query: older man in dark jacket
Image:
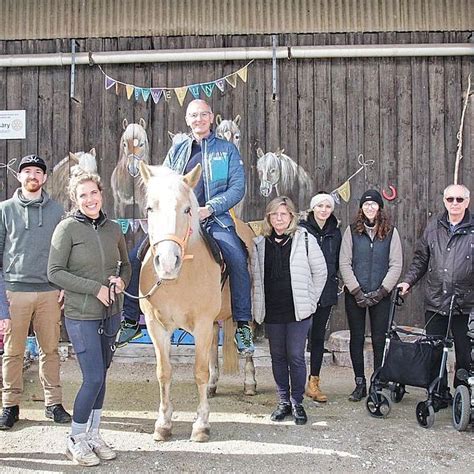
445 251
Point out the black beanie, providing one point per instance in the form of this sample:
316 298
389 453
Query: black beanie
371 195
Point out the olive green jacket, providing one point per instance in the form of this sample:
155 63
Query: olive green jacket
82 257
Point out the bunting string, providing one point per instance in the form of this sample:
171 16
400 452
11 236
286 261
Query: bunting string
198 90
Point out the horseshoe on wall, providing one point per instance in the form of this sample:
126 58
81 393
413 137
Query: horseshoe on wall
390 197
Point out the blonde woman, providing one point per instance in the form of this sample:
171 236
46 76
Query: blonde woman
85 249
289 273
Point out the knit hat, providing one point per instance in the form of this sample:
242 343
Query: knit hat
32 160
315 200
371 195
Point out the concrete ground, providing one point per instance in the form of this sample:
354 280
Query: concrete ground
340 436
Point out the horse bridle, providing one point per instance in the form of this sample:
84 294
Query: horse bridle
182 242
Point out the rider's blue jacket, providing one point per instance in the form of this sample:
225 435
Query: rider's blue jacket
223 173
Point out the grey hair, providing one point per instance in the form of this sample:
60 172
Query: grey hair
272 206
466 191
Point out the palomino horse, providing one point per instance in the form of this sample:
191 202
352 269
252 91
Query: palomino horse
279 172
182 285
126 182
229 130
56 185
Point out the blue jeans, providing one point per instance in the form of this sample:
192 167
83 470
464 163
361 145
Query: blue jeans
287 346
131 307
235 257
94 355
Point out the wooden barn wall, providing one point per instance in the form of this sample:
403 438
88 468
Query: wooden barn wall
402 113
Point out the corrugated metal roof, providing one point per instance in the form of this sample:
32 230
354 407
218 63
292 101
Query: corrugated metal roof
37 19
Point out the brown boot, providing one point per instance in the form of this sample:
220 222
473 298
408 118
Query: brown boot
313 391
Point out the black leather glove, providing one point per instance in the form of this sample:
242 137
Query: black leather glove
360 298
374 297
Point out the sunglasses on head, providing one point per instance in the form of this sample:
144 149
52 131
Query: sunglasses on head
457 199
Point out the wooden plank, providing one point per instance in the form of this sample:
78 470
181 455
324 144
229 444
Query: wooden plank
4 175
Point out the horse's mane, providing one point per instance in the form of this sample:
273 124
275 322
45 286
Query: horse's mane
288 171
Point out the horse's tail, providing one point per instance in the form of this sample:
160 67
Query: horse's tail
230 364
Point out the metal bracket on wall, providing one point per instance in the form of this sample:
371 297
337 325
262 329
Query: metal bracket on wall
74 44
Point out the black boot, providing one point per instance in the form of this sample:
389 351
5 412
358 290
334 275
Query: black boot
299 414
282 411
9 417
360 390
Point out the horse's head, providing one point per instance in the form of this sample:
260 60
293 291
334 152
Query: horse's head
178 137
134 145
269 170
84 161
173 218
229 130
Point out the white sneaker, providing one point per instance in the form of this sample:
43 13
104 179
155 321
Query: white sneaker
100 447
79 451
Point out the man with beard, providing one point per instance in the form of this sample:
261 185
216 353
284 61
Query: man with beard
27 222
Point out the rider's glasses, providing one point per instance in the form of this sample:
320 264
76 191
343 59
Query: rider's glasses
196 115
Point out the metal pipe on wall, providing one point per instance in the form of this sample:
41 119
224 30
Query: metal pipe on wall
235 54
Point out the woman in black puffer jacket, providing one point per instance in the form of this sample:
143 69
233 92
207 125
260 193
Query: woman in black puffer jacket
322 223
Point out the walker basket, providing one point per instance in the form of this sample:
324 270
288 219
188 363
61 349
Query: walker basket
412 363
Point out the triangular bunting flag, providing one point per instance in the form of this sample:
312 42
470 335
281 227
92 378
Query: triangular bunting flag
117 88
146 93
345 191
123 223
220 83
130 90
335 196
208 88
156 94
134 224
167 94
144 225
109 82
232 80
243 73
181 94
195 91
138 92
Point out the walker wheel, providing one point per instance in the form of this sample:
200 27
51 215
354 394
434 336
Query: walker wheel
461 408
425 414
397 393
378 404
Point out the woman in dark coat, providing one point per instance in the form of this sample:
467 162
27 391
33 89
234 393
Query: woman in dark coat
322 223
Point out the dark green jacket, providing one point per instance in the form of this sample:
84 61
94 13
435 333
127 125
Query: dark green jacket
81 259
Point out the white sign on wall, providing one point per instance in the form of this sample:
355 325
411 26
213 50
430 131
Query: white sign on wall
12 124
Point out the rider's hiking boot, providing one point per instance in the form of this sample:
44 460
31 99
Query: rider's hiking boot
360 390
244 340
79 451
129 330
313 391
57 413
9 417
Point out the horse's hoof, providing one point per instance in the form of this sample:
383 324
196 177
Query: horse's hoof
250 390
162 434
200 435
211 392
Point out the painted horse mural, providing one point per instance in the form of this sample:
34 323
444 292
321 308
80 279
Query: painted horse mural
126 182
57 183
279 173
181 282
229 130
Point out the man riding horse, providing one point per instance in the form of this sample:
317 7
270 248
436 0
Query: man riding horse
221 186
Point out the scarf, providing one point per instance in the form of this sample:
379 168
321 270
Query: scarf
276 263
